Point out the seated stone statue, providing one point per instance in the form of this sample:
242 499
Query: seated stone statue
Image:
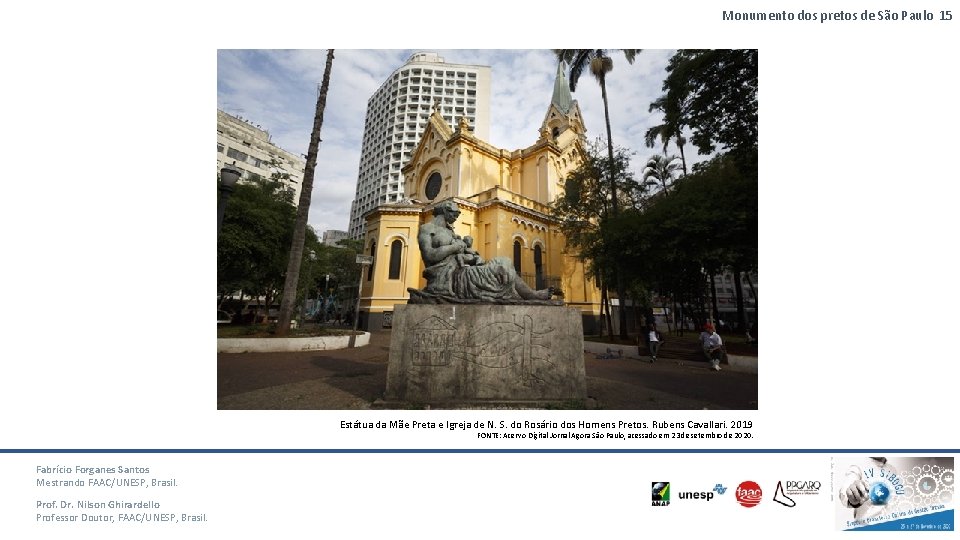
455 273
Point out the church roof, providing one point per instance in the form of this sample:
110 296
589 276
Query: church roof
561 91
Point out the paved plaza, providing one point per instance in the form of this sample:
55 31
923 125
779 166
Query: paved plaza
356 379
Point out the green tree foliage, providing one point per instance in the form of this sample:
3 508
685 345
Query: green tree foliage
328 271
673 106
585 204
706 223
586 214
254 242
715 93
340 263
660 171
254 239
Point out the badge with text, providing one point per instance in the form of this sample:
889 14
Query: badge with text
660 494
789 491
893 494
749 494
702 496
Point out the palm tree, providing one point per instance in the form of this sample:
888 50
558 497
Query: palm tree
660 171
303 210
672 125
600 64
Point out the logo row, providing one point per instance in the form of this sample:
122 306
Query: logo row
748 493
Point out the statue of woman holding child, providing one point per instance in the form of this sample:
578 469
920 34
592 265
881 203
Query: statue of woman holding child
456 273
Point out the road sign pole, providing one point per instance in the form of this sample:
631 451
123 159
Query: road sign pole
356 310
363 261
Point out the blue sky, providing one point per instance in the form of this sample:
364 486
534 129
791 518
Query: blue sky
277 90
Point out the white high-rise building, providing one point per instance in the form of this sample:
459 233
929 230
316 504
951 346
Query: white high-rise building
397 114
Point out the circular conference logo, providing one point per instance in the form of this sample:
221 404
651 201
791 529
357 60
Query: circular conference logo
749 494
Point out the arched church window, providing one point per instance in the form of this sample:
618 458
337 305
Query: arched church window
538 265
516 255
396 252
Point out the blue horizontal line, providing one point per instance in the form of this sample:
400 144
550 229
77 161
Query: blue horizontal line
475 451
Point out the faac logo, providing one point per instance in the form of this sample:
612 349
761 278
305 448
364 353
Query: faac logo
749 494
660 494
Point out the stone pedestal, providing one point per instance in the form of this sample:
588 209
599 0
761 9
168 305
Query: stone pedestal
485 355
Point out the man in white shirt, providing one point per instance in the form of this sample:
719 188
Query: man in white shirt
712 345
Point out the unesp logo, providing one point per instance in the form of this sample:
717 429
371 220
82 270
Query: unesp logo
705 496
660 494
697 495
749 494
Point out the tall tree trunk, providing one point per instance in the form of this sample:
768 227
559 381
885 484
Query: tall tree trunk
603 303
713 297
688 311
683 158
637 315
622 302
303 210
756 301
677 327
702 297
615 209
605 310
741 313
609 318
606 115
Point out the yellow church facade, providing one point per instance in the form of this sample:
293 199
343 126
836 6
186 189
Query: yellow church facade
504 198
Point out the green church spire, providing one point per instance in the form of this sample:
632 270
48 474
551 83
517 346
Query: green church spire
561 91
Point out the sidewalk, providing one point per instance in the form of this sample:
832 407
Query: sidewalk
737 362
355 378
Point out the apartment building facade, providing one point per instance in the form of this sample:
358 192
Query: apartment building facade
248 147
397 114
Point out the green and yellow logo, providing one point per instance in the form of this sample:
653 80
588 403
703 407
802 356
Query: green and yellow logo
661 494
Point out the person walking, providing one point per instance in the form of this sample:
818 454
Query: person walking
653 339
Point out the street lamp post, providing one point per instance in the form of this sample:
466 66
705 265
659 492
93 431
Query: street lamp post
229 175
325 295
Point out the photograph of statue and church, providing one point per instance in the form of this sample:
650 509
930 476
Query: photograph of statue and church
569 229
